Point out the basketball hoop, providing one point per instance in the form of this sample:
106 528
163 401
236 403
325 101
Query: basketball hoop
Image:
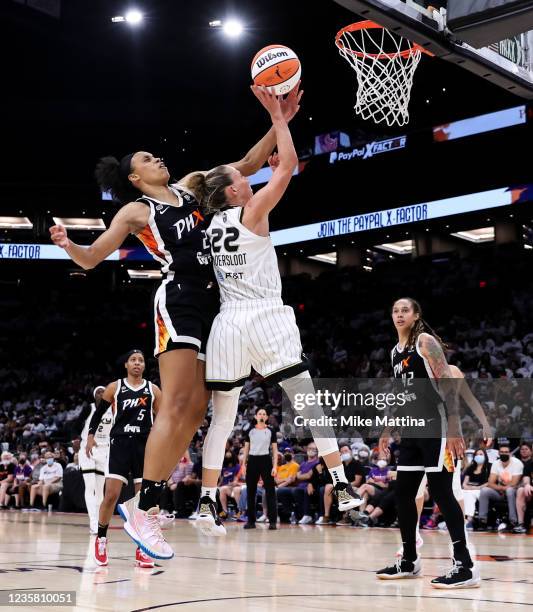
385 65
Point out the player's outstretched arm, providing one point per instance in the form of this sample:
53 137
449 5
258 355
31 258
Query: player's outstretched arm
257 209
130 219
258 155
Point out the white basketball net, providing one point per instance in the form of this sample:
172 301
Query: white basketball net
385 65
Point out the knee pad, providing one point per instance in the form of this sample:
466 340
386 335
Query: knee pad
225 405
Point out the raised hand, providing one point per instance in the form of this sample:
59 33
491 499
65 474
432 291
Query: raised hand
273 161
59 236
269 100
291 104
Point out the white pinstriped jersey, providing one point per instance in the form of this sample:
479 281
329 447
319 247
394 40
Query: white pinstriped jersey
104 429
246 265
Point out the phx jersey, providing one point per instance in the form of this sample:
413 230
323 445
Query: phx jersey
246 266
187 300
133 409
424 400
422 449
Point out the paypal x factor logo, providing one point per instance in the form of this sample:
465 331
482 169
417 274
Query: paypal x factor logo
369 150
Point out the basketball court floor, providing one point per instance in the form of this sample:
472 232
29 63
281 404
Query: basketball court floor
294 568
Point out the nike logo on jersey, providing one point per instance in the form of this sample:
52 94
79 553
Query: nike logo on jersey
163 210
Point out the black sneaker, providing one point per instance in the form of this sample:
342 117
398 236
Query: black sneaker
401 569
347 498
208 520
458 577
519 528
250 526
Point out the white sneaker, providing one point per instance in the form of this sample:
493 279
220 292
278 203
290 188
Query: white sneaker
144 529
193 516
321 521
165 518
208 520
262 519
305 520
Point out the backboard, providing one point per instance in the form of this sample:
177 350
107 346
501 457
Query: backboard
507 63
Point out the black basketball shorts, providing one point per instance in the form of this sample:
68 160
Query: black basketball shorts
183 314
126 458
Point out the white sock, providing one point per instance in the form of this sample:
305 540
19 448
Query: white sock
337 474
209 492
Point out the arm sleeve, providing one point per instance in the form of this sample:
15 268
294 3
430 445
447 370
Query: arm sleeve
97 416
78 424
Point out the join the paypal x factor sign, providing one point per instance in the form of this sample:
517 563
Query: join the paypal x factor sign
369 150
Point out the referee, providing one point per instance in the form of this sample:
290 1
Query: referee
259 464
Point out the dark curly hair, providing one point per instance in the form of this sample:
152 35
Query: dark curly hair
112 175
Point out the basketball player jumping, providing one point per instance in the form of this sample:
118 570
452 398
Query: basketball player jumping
253 327
133 401
171 225
419 355
94 468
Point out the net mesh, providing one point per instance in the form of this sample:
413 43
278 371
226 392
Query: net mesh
385 65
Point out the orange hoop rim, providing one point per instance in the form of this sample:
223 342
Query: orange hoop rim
372 25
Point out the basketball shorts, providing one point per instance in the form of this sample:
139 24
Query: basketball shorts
98 463
424 455
183 315
253 333
126 458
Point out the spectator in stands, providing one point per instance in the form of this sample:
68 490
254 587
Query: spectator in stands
379 505
476 477
525 452
505 475
376 484
50 480
7 476
289 496
234 488
182 470
524 497
23 473
187 491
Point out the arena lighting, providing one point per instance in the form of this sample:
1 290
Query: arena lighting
232 28
15 223
403 247
329 258
134 17
73 223
478 236
145 274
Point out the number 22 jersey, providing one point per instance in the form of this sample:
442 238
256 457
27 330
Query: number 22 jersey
246 265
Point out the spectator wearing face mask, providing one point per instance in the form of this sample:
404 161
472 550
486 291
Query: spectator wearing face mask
476 479
50 480
7 476
234 488
290 496
505 475
376 483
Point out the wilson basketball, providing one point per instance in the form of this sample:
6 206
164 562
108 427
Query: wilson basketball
276 66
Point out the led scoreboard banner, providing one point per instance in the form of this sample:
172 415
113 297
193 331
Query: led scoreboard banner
381 219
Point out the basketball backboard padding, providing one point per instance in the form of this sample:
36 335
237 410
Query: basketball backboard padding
483 22
404 20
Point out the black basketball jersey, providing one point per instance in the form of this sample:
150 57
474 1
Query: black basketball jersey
176 237
133 409
409 365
